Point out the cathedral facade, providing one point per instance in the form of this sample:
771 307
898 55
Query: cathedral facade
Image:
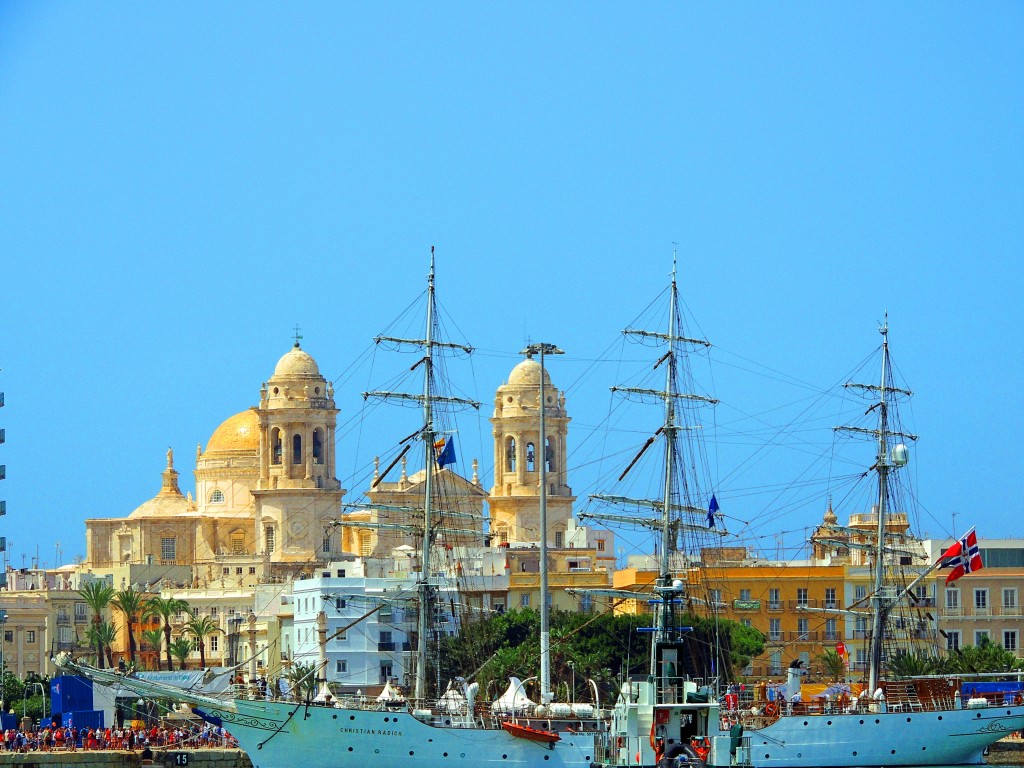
266 490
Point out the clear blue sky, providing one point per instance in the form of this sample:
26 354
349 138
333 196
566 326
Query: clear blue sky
182 183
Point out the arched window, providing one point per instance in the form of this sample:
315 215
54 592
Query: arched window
318 446
510 454
296 449
216 496
275 446
531 458
549 455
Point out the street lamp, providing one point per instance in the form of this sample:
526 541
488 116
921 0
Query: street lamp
545 632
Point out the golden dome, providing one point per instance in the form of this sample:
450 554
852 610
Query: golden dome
527 374
296 362
239 433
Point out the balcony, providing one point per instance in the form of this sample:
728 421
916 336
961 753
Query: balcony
953 610
982 610
1010 610
802 637
774 637
860 634
385 646
775 607
794 604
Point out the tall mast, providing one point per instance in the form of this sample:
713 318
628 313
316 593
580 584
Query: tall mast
427 434
882 464
883 597
670 514
426 605
663 618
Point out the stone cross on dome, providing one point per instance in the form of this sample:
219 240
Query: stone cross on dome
298 336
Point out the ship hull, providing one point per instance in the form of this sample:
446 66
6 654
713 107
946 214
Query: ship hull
949 737
288 735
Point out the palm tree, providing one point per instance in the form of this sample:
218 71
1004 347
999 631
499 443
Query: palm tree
129 602
97 595
300 679
180 649
102 635
164 608
832 664
201 627
154 638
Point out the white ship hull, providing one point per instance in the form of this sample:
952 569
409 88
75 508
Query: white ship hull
947 737
289 735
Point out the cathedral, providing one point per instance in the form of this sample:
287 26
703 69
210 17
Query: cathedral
267 497
265 489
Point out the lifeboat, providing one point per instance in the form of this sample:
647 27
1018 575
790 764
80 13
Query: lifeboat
532 734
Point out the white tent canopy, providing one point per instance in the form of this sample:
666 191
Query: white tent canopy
513 701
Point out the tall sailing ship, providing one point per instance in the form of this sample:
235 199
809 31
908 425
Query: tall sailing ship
670 716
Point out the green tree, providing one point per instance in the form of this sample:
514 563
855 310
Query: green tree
102 636
301 679
97 595
180 649
984 657
164 608
201 627
129 602
154 638
833 665
906 664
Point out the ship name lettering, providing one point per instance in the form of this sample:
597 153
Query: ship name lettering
371 731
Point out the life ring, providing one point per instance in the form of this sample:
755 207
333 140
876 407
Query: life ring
771 710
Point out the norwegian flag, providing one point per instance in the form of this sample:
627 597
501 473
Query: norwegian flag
963 557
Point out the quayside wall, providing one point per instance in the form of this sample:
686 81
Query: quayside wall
162 758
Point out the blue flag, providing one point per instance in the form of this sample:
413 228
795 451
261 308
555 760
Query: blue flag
447 454
712 508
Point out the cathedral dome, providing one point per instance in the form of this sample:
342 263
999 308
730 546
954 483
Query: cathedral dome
239 433
296 362
527 374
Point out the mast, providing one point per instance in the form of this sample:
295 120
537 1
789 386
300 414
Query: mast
426 606
663 620
431 518
669 516
883 597
545 610
880 612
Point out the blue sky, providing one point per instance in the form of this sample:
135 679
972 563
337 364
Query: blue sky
183 183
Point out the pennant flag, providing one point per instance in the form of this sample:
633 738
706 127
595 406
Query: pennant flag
963 557
712 508
447 454
841 649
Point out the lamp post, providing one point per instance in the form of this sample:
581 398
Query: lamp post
545 632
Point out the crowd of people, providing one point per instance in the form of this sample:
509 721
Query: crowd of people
49 737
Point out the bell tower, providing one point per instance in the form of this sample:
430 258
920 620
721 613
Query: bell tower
515 498
297 494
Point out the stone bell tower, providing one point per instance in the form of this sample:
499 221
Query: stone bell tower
297 494
514 500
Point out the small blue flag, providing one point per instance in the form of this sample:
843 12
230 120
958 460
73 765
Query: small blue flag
712 508
447 454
